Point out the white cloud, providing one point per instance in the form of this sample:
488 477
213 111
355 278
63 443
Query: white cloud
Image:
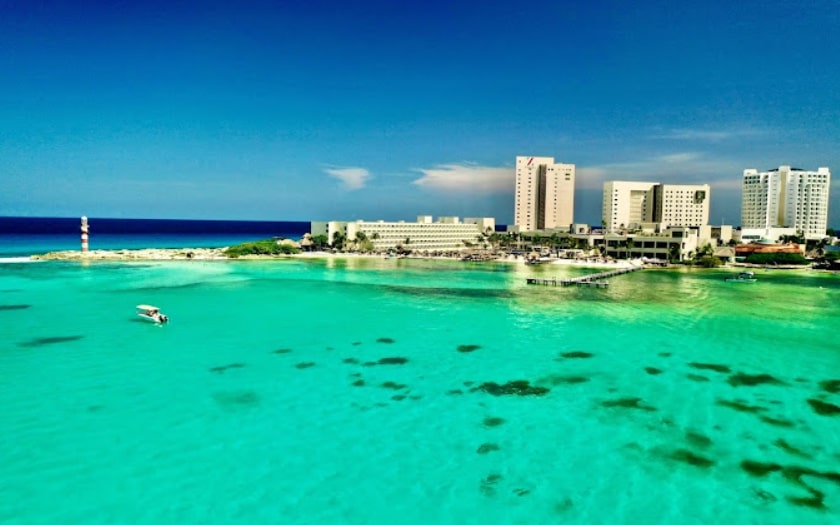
675 168
735 183
467 178
696 134
708 135
590 173
678 158
351 178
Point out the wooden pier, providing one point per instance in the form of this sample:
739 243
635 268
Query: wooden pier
593 280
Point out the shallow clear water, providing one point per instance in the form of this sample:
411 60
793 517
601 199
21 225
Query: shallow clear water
265 399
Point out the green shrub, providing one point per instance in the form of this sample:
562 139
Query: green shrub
264 247
776 258
709 261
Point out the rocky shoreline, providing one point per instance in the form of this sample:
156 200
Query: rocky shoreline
146 254
218 254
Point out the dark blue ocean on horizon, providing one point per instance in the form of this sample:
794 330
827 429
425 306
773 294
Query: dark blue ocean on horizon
23 236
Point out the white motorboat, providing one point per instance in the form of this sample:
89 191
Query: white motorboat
742 277
151 314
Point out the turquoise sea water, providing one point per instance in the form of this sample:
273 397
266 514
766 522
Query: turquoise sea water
377 391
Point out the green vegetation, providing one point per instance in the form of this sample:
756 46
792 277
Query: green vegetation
776 258
705 257
797 239
264 247
827 260
708 261
319 242
674 253
338 240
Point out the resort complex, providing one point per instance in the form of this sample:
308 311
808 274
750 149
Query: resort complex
671 221
785 213
639 219
644 220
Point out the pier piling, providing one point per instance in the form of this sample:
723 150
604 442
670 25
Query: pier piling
594 280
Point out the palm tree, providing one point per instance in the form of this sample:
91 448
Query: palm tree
402 247
363 243
361 236
495 240
620 244
674 252
338 240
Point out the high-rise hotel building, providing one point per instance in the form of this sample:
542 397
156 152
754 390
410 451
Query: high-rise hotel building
545 194
786 198
627 203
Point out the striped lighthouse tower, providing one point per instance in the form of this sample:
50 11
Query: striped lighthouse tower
84 235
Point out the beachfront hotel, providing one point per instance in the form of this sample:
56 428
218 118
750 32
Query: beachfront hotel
672 205
545 194
445 234
785 201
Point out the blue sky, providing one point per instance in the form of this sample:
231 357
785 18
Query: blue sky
314 110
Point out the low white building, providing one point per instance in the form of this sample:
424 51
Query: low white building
748 235
679 241
715 235
655 241
445 234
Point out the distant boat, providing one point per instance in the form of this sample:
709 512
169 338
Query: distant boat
742 277
151 313
541 260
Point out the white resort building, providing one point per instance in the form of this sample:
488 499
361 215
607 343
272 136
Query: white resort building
626 203
785 201
445 234
545 194
630 204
